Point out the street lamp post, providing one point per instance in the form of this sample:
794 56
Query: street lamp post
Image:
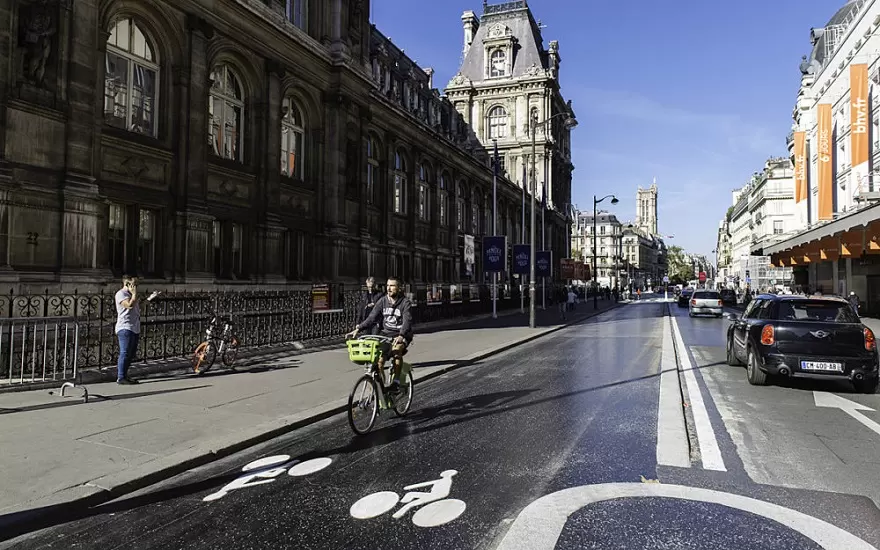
595 215
568 122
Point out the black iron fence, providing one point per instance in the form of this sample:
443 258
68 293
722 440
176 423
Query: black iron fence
173 324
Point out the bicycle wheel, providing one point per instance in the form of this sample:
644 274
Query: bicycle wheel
403 400
231 352
363 405
203 358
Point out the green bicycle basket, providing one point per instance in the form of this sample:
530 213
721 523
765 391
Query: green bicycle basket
363 352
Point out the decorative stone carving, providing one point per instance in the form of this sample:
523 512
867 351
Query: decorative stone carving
498 30
37 30
534 70
135 167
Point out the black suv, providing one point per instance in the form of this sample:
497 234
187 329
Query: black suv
728 296
685 297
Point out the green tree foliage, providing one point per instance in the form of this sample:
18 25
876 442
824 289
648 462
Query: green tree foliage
680 268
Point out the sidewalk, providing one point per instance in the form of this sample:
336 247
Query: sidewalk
60 451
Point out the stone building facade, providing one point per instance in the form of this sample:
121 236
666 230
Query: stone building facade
646 213
234 142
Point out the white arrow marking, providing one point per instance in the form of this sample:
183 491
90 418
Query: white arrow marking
831 401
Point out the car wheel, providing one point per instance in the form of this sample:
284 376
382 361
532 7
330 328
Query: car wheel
867 386
755 375
731 358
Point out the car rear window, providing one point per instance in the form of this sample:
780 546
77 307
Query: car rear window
817 311
706 295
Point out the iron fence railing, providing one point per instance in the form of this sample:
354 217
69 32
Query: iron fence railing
173 324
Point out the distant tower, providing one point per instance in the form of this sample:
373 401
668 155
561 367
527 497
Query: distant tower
646 214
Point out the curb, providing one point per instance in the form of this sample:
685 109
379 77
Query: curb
15 524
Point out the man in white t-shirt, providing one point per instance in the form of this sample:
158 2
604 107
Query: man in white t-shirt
128 326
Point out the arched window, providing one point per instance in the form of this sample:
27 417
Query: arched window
498 63
226 113
372 170
399 183
131 79
497 122
475 212
459 208
424 193
296 12
292 140
443 194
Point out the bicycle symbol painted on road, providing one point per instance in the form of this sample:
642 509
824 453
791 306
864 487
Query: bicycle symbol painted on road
265 470
436 508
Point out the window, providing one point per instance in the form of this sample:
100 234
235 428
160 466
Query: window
475 214
237 239
459 209
487 216
292 136
502 170
226 113
778 227
497 123
218 249
372 170
444 202
399 183
498 63
117 238
296 12
424 196
146 244
130 79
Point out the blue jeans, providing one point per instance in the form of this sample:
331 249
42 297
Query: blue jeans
128 343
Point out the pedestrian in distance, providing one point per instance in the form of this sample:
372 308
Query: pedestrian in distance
369 299
128 325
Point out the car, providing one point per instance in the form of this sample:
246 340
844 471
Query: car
685 297
706 302
814 337
728 296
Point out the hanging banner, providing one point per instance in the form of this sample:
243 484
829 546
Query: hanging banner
544 263
860 125
566 268
494 254
826 166
521 259
800 166
469 255
579 272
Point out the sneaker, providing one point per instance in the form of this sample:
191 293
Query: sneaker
127 382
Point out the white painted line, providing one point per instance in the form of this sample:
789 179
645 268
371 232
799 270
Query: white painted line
851 408
709 449
540 524
672 441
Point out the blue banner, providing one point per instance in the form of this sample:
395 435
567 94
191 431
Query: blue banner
522 258
494 254
544 263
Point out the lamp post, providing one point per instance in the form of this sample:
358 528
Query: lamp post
568 122
595 283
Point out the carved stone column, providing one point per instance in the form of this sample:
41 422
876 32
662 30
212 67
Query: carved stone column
196 163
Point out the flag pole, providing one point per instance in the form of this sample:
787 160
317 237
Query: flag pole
495 228
522 286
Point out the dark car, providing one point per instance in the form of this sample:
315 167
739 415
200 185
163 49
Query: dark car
728 296
803 337
685 297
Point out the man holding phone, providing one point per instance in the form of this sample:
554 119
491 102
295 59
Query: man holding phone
128 326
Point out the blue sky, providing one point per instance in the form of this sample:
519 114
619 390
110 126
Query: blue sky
698 95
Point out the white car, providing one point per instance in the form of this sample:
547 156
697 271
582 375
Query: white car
706 302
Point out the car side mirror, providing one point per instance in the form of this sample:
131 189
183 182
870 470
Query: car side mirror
732 316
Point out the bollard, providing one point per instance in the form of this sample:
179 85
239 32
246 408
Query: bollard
74 386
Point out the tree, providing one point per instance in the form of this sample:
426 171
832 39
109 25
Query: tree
680 268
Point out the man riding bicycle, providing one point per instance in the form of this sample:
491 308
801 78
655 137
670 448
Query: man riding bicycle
394 318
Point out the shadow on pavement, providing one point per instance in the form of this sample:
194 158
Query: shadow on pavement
78 401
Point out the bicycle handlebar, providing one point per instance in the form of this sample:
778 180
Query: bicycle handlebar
378 337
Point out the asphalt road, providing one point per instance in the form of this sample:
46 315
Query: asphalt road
551 445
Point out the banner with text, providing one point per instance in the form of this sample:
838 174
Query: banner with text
859 129
566 268
521 259
544 263
579 271
826 168
494 254
469 259
800 166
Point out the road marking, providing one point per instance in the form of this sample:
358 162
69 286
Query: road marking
672 440
709 449
540 524
435 509
831 401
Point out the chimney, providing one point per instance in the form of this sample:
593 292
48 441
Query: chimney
471 23
430 72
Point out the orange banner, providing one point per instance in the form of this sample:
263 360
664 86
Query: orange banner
858 81
826 167
800 166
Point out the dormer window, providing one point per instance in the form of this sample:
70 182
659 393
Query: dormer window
498 64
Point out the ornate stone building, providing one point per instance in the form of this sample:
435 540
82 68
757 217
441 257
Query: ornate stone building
646 215
244 142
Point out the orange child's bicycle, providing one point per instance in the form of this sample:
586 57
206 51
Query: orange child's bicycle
219 339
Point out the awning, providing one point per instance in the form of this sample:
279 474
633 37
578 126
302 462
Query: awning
855 220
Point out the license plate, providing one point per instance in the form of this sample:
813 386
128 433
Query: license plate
822 365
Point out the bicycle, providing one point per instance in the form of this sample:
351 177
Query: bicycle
370 392
225 343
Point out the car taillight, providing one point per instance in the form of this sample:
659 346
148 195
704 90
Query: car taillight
870 342
720 302
693 302
768 335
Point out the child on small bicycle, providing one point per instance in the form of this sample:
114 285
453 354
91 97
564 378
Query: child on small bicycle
394 318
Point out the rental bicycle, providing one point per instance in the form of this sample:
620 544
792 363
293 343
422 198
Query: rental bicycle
218 340
370 395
